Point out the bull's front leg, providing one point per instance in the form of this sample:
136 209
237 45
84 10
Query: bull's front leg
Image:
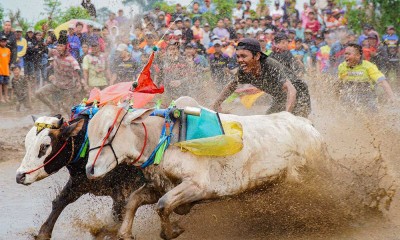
143 196
185 193
69 194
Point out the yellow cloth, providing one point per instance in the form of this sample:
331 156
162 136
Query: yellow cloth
364 72
249 100
222 145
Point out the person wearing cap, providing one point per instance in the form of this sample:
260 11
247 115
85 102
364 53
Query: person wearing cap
300 52
281 53
66 83
358 79
74 42
288 92
5 62
219 65
391 46
22 46
95 70
123 68
366 30
206 41
11 40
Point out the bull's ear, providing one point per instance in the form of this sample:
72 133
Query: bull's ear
73 129
34 118
138 116
58 116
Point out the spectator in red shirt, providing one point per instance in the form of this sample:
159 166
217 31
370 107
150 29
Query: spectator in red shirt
313 23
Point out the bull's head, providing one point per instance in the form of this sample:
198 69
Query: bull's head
42 142
125 143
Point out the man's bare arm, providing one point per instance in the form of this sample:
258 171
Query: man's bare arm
228 90
291 95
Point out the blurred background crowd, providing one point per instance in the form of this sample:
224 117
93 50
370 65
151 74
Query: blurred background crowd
195 44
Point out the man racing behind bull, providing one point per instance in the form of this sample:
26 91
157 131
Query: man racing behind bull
289 93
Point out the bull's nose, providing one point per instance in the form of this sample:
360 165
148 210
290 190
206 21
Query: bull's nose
89 171
20 178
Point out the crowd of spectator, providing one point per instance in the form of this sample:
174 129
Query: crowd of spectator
189 49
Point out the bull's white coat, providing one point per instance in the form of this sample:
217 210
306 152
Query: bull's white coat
32 148
275 146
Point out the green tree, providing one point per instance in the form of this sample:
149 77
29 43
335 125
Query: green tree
379 13
17 20
74 13
52 8
224 8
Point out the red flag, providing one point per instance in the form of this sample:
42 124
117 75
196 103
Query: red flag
145 83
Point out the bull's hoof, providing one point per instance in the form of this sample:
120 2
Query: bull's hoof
43 236
176 231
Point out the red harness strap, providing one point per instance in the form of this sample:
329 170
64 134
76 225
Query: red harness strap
106 137
51 159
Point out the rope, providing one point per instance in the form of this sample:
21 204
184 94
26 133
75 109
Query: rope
51 159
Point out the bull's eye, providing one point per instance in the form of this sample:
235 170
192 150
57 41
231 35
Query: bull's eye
43 149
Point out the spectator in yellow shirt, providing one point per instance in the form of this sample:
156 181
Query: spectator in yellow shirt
358 78
21 46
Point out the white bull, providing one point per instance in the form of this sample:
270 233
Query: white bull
275 146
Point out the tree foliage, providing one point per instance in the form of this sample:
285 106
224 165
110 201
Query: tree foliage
17 20
224 8
52 8
74 13
378 13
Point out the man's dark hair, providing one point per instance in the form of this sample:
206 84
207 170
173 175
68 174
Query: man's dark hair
14 67
79 24
357 47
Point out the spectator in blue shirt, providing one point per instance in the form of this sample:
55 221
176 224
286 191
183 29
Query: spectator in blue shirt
74 42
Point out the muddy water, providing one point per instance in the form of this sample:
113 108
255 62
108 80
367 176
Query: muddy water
363 146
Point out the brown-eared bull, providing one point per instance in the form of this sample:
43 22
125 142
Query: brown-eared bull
51 145
275 147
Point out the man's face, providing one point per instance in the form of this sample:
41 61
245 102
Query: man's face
248 5
120 13
268 21
308 36
207 28
189 52
391 31
16 72
18 34
263 22
30 34
196 6
85 48
187 24
71 31
95 50
249 22
366 31
197 23
372 42
61 48
220 24
173 50
218 48
179 25
79 28
246 60
255 24
311 16
283 44
227 22
7 27
352 56
112 16
313 2
3 43
39 36
298 45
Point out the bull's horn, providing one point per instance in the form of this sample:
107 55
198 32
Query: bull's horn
34 118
